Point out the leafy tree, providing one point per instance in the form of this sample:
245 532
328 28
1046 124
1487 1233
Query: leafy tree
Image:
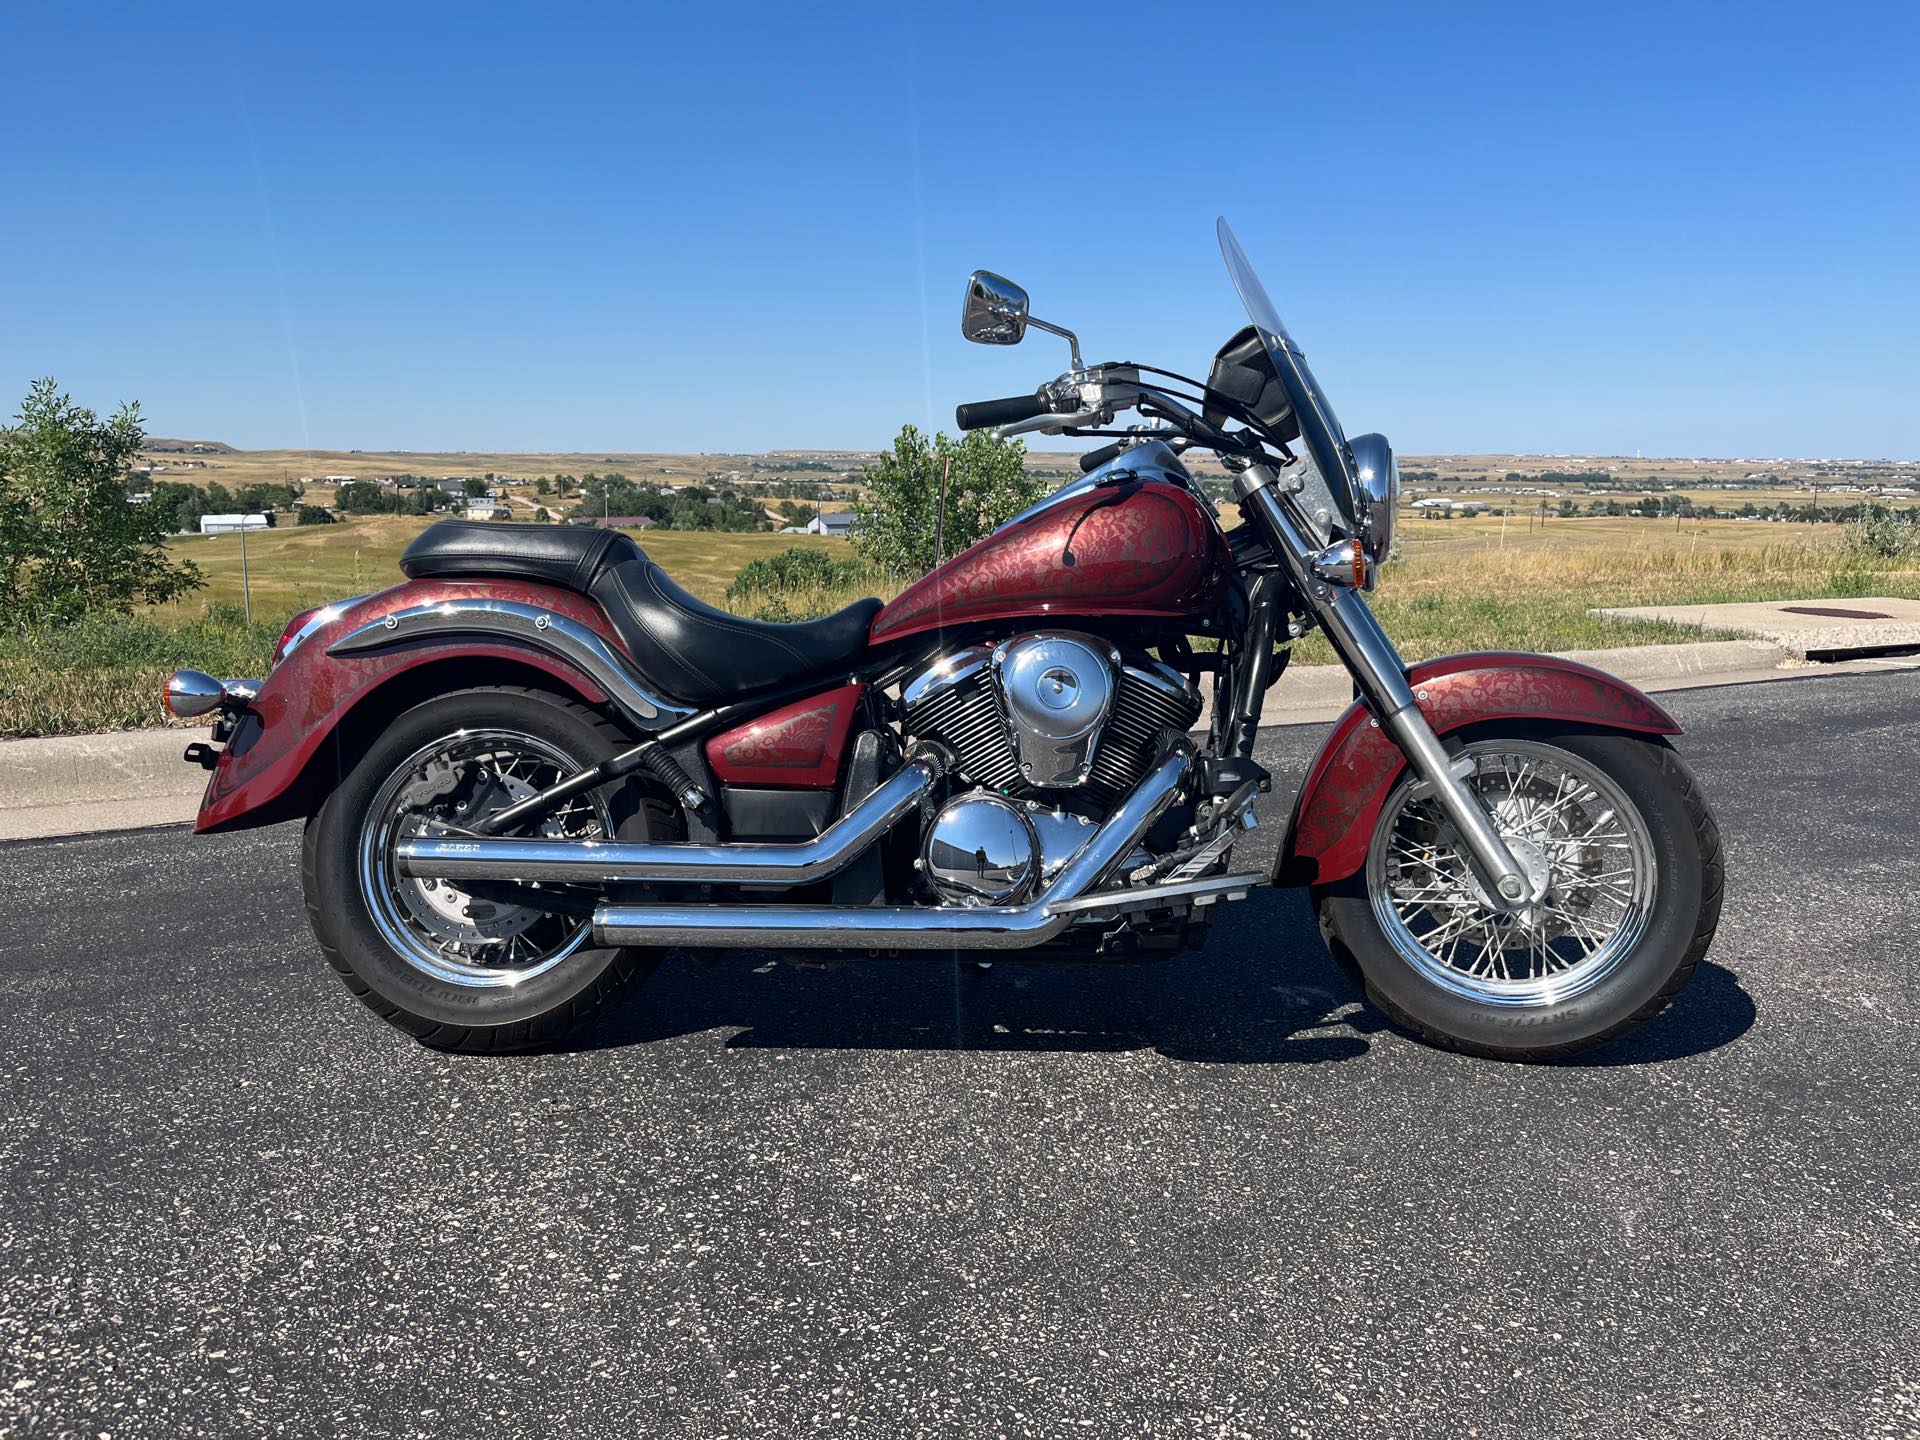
475 487
266 497
70 541
987 483
360 497
314 515
179 506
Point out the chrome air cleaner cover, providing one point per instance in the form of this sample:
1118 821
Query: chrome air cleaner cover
1056 690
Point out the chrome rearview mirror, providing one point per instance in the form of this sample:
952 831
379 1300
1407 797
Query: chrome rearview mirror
996 314
996 310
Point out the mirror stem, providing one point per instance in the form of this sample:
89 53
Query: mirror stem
1068 335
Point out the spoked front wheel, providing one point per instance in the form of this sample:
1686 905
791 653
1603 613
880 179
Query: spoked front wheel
1616 830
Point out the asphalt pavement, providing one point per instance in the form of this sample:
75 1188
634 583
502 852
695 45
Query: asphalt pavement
1212 1196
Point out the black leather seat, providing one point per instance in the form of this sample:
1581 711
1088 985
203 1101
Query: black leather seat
688 648
565 555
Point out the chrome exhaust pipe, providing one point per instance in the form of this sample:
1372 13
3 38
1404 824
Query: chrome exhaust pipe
604 862
906 927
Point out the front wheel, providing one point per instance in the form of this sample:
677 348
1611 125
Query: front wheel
1616 826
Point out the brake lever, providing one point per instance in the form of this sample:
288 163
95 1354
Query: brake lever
1050 424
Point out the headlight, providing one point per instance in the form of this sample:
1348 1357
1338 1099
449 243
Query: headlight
1378 476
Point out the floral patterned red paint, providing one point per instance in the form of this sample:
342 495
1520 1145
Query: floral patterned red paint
798 745
310 692
1336 808
1148 549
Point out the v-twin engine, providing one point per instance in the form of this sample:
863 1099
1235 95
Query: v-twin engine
1050 714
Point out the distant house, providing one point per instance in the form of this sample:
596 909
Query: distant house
488 512
454 485
232 524
840 523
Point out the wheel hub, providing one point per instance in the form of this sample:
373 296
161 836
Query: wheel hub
443 789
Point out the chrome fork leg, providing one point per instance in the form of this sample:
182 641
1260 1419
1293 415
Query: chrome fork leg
1356 633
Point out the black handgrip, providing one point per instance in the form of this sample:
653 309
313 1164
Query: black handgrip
982 413
1094 459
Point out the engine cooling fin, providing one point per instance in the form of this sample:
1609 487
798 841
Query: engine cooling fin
958 705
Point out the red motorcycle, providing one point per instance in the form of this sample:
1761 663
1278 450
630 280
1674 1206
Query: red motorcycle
539 763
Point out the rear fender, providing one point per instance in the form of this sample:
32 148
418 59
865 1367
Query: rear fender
1334 814
281 760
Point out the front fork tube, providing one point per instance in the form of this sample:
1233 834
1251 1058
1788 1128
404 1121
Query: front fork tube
1357 636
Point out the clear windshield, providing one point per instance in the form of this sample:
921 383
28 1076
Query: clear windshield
1319 430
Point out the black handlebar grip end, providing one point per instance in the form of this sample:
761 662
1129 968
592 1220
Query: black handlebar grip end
1094 459
979 414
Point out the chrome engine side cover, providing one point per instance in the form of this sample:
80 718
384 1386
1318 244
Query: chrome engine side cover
1056 690
980 850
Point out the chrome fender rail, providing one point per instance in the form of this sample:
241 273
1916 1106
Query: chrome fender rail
529 625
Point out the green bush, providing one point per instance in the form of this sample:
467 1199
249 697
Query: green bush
104 671
796 569
1883 534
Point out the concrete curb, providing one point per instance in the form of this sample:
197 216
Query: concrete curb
1308 693
77 784
72 784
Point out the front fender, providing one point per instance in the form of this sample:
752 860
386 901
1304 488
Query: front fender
258 779
1335 811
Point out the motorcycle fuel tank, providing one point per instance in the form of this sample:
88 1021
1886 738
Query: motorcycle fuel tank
1137 548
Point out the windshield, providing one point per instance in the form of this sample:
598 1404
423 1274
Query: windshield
1326 443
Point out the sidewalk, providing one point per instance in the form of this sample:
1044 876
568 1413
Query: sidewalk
78 784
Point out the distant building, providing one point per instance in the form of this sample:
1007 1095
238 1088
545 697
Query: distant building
840 523
488 512
232 524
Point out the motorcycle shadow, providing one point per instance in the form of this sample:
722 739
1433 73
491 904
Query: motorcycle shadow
1264 991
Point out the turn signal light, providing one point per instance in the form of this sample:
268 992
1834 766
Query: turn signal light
193 693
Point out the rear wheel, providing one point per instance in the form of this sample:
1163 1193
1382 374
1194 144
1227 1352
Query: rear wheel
1616 828
463 966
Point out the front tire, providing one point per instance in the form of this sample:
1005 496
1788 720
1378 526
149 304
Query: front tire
456 970
1618 825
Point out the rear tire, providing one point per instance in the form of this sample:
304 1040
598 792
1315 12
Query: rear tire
389 942
1622 981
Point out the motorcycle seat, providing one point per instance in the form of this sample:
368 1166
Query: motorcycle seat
695 652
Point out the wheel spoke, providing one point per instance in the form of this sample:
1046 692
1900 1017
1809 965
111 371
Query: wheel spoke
1559 812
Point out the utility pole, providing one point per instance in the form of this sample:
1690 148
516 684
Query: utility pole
940 515
246 584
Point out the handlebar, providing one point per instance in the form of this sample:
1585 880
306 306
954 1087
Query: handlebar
1094 459
978 414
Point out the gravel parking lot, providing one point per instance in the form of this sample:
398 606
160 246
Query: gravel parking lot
1209 1197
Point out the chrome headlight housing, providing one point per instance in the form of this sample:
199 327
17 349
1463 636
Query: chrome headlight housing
1377 477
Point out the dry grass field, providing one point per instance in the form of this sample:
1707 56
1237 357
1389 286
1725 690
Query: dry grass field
1457 584
1479 582
292 568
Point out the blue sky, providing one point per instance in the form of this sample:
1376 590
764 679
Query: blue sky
1681 229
